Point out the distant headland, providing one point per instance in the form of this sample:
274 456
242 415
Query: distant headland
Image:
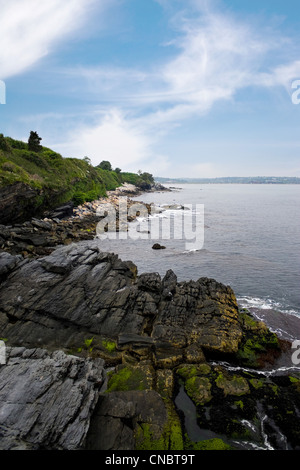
232 180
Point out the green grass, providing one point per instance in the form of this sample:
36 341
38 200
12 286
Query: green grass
58 179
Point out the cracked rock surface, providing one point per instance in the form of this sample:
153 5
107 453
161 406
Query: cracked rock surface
46 400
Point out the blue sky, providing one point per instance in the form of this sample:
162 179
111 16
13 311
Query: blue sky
180 88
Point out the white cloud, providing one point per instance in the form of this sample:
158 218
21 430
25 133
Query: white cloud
217 56
282 76
29 29
114 138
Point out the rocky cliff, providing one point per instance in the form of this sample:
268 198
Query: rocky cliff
124 357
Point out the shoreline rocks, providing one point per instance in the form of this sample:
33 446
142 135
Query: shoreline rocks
101 357
65 225
142 341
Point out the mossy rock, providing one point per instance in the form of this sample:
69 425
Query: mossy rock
187 371
258 347
210 444
232 385
256 383
109 346
165 383
149 436
139 377
198 389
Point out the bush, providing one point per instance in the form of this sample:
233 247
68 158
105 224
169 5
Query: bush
78 198
4 145
16 144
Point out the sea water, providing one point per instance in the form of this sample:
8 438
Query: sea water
251 241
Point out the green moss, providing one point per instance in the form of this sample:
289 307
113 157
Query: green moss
171 438
146 440
240 404
247 320
257 340
110 346
198 389
209 444
256 383
130 378
235 385
119 381
254 346
190 370
294 380
275 389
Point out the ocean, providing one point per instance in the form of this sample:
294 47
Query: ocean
248 237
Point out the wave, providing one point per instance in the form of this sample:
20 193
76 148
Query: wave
281 320
266 304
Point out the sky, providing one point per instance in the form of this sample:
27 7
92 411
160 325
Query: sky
177 88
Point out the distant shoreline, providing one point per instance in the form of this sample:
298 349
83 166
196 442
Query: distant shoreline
231 180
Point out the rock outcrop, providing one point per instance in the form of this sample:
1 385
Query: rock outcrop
46 400
79 291
63 226
18 202
101 357
40 237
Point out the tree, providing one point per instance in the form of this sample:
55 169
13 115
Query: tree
87 160
118 170
145 180
147 177
105 165
34 142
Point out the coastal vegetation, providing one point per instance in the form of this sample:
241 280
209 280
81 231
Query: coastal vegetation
43 179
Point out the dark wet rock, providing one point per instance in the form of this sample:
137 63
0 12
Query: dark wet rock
169 284
7 263
62 212
41 224
18 202
157 336
78 290
157 246
124 416
40 237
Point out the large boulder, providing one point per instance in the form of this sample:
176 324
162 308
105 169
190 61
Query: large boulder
79 291
46 400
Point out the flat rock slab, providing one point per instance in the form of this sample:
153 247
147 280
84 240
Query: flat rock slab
46 400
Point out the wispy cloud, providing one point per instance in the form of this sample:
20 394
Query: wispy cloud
114 138
29 29
214 56
217 56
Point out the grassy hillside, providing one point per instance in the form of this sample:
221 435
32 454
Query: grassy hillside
65 178
43 179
